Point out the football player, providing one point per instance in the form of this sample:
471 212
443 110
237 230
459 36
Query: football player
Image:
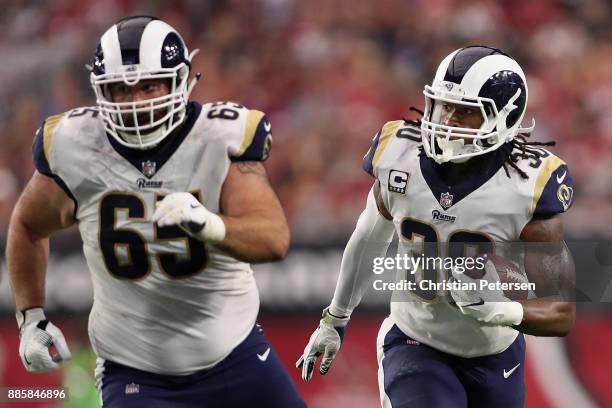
466 173
172 203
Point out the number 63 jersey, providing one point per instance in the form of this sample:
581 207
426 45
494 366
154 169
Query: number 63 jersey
163 302
487 208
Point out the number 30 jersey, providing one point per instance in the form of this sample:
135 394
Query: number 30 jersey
487 208
163 302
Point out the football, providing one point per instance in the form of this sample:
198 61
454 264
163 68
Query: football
508 272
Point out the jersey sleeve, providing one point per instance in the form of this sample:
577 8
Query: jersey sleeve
380 142
554 189
256 139
41 148
38 153
42 154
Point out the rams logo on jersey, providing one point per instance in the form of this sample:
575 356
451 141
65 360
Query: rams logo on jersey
565 194
267 146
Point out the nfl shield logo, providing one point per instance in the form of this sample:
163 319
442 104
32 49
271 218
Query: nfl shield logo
132 389
446 200
149 168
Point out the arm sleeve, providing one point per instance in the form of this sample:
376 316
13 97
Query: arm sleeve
554 191
380 142
371 239
367 164
257 138
39 156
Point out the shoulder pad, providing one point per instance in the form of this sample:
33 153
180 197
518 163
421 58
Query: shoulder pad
395 129
42 151
247 133
41 148
257 138
554 188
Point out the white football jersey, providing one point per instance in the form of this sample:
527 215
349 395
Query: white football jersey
485 209
163 302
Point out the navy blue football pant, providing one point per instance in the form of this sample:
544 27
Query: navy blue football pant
251 376
417 376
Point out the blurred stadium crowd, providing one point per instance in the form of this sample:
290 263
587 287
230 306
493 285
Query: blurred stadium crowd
329 74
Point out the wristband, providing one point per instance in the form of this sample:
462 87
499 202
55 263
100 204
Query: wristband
514 314
35 313
332 320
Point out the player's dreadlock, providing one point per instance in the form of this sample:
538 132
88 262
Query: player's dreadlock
518 148
525 151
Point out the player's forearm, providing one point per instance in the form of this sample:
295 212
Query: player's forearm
355 275
546 317
42 209
256 237
370 239
549 264
27 256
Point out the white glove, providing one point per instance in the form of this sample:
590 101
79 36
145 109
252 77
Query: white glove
486 305
37 334
185 211
325 340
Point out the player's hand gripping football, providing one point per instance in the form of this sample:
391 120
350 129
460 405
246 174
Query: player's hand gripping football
37 334
486 305
326 341
185 211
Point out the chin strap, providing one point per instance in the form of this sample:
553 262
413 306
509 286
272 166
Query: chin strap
449 148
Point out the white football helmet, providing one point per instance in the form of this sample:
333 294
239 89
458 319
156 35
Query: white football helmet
134 49
480 78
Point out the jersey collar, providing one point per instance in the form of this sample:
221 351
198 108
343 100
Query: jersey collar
150 161
441 190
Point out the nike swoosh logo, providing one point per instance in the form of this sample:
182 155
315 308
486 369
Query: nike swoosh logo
480 303
267 126
560 179
509 373
264 355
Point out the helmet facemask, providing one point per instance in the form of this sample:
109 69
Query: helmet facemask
143 131
136 49
458 144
